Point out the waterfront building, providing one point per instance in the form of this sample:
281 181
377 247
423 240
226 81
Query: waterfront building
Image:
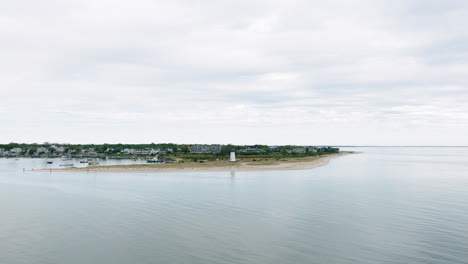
145 151
128 151
297 150
253 149
60 149
157 151
88 152
274 148
15 151
205 148
42 150
311 149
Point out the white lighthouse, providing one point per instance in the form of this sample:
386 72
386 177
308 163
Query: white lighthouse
232 157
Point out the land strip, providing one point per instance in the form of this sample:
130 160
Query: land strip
245 164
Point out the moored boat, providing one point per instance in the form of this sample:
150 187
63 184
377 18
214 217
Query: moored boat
154 160
93 161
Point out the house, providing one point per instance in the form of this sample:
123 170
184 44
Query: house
145 151
311 149
253 149
16 151
60 149
274 148
128 151
88 152
299 150
42 150
161 151
205 148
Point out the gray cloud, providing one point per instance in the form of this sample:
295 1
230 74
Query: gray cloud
275 72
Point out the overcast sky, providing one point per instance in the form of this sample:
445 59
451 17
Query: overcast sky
259 71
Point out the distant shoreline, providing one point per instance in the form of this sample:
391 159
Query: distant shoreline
213 166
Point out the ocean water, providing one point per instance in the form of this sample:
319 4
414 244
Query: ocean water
383 205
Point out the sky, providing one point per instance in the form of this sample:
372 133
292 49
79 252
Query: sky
368 72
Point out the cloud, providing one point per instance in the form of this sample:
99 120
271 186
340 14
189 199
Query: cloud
79 70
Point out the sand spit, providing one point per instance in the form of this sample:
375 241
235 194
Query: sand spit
212 166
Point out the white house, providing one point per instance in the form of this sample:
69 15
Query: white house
42 150
297 150
205 148
128 151
60 149
15 150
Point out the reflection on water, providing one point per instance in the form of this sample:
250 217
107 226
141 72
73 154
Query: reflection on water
386 205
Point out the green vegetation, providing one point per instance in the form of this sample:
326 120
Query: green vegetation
180 152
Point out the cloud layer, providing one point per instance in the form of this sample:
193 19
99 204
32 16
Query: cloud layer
273 72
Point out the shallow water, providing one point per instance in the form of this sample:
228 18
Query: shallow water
385 205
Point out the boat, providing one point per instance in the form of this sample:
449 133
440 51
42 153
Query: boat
93 161
66 164
84 161
49 161
154 160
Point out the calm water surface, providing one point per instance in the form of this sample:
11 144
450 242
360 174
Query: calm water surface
385 205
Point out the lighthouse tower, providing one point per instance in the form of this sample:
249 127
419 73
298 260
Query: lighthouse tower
232 157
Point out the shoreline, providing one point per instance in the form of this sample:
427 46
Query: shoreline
217 166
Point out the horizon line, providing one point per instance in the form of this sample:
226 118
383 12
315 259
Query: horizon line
338 145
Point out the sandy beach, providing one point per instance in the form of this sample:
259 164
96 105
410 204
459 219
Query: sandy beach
211 166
